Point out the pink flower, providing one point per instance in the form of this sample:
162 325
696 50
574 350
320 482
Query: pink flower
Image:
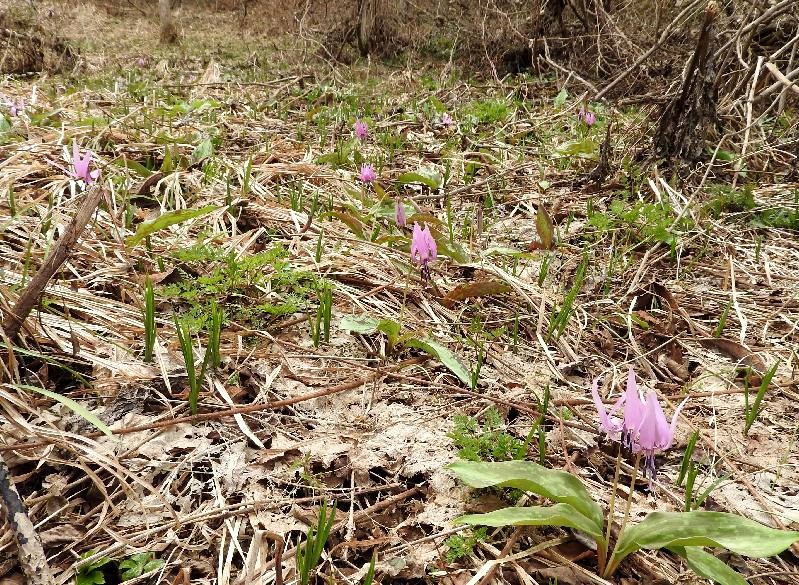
587 116
423 249
610 424
655 434
446 120
80 166
15 108
644 428
367 174
361 129
634 412
399 214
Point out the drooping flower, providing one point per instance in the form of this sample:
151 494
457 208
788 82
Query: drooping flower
423 249
399 213
446 120
361 129
655 434
367 173
15 108
587 116
610 425
634 412
81 164
643 428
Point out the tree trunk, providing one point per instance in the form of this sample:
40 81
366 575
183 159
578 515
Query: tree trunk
685 120
169 33
367 16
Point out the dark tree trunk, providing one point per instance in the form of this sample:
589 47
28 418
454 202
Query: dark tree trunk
169 33
682 130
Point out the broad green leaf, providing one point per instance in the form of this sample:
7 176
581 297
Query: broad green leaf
444 355
708 566
561 98
557 515
363 324
165 220
585 148
424 177
559 486
673 529
133 165
81 411
203 150
366 325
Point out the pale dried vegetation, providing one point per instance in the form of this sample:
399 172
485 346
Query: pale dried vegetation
236 117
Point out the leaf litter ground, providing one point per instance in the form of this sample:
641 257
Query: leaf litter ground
269 145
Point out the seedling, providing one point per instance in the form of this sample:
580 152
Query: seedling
487 442
686 457
309 553
149 320
187 349
752 411
558 323
321 327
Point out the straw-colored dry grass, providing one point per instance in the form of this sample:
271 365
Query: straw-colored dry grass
348 420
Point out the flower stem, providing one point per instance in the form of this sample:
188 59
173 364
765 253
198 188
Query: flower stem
603 550
630 495
613 564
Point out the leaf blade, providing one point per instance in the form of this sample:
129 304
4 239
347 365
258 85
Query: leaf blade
557 515
700 528
165 220
558 486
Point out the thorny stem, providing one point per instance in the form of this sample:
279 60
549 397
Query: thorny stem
611 567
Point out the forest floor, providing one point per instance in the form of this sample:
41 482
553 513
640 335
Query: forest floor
343 375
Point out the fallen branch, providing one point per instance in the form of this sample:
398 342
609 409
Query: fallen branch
29 298
30 553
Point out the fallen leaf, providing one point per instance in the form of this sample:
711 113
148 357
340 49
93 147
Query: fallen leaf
474 289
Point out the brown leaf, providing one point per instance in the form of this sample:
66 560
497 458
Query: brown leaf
545 228
474 289
735 351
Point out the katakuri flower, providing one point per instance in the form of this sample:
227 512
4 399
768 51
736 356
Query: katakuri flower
643 428
634 412
610 425
587 116
81 164
655 434
446 120
15 108
361 129
367 173
423 249
399 213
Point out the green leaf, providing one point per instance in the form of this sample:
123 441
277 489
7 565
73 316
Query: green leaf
708 566
674 529
422 176
135 166
78 409
558 486
561 98
557 515
585 148
444 355
139 564
363 324
165 220
203 150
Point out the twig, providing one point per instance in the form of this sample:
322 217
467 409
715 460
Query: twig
661 39
13 321
29 547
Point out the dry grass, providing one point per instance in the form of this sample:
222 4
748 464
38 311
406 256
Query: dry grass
344 420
